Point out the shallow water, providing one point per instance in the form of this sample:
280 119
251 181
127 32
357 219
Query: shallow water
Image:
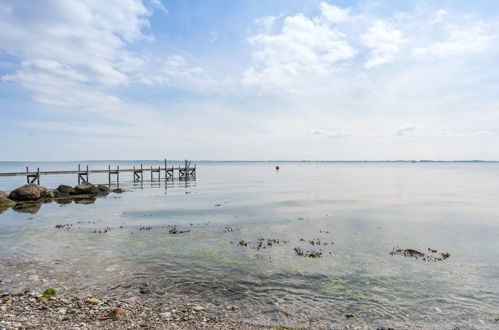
361 210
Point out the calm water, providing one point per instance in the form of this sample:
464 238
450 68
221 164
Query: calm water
366 209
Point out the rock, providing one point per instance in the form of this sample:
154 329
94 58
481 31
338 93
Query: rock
85 189
117 314
28 192
103 189
348 316
198 308
118 191
165 314
5 202
62 191
230 307
93 301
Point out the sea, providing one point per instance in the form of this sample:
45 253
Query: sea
313 244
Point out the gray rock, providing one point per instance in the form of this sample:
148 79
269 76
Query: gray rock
103 189
29 192
85 189
64 189
4 199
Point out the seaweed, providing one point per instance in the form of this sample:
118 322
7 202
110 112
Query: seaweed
49 293
430 255
174 231
308 254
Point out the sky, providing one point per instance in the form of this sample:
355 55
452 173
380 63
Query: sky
249 79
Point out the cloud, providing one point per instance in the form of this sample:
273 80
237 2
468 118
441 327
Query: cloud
384 42
334 14
73 53
303 47
459 41
407 130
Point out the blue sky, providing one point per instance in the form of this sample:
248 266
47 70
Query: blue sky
249 80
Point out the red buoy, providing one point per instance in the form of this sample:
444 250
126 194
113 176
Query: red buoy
277 168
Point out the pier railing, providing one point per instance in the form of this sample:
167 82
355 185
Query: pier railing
184 172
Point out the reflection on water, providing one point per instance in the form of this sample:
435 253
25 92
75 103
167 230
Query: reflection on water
362 211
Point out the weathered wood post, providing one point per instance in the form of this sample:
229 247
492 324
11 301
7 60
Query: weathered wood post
151 172
38 175
141 173
27 175
166 171
118 175
159 172
87 173
79 170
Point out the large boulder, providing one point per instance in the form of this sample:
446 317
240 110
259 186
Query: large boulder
85 189
29 192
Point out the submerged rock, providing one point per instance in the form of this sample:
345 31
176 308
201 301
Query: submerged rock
28 192
85 189
118 191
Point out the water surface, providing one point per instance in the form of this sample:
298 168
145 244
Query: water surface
361 210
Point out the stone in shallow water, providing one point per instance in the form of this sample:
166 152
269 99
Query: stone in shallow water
28 192
85 189
62 191
103 189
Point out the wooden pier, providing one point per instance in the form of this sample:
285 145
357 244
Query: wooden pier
184 173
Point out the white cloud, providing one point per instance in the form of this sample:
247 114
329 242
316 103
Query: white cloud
384 42
460 41
303 47
74 53
407 130
334 14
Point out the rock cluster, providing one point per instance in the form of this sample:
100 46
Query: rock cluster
31 311
34 192
29 197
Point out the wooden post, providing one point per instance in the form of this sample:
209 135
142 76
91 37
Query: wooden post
87 173
141 173
38 175
79 169
166 171
109 173
27 175
118 175
159 173
151 172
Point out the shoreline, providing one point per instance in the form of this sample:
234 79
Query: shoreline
31 310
